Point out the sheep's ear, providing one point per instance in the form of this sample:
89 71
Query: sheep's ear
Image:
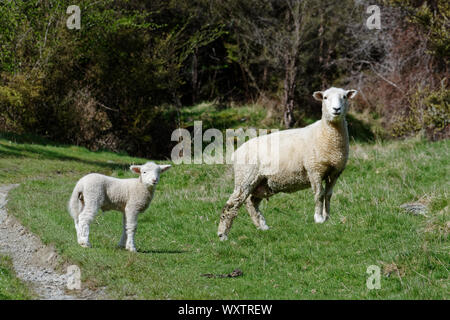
318 95
351 94
165 167
136 169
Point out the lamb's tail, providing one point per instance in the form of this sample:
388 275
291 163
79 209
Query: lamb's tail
76 202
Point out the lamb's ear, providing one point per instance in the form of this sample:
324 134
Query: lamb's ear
165 167
136 169
351 94
318 95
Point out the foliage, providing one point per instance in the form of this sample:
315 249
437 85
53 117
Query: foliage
433 16
122 81
428 113
17 103
396 67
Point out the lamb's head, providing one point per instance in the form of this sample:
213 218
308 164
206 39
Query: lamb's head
334 102
149 173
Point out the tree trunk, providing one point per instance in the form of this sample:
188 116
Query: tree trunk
289 89
294 21
194 76
288 115
288 102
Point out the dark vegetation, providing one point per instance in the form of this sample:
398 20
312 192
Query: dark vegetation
124 81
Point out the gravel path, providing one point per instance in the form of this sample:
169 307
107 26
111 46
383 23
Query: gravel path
34 262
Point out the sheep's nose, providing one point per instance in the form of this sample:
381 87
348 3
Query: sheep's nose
154 181
337 109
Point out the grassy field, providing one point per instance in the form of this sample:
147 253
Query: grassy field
11 288
295 259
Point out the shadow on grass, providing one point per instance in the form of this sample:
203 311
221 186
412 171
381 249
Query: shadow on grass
359 130
28 138
52 155
41 153
162 251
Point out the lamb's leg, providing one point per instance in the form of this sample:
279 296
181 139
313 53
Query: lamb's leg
252 204
123 238
329 185
84 220
319 195
131 226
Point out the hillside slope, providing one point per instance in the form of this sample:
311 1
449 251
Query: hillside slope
295 259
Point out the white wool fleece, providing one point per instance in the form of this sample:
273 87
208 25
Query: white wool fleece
304 157
130 196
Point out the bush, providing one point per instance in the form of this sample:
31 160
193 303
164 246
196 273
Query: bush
428 113
18 99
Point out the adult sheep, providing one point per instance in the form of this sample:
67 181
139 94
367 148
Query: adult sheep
131 196
306 157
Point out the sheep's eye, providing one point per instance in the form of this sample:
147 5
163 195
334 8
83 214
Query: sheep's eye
145 172
325 98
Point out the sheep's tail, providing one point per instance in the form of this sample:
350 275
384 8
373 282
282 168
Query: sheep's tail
76 202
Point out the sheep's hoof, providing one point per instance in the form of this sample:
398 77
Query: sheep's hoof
264 227
319 219
85 245
222 237
132 249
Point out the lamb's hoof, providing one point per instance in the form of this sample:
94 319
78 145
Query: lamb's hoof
222 237
264 227
319 219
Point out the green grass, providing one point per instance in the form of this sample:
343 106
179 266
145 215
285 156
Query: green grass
11 288
295 259
212 116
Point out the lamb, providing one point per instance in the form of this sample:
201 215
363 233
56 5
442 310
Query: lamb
307 157
130 196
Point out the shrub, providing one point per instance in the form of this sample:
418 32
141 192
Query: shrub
19 97
428 113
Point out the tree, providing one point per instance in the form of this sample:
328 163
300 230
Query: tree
272 34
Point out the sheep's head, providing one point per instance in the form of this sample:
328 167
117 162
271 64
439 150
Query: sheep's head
149 173
334 102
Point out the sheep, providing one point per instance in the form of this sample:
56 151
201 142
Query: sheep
130 196
307 157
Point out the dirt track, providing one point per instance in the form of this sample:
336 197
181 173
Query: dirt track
34 262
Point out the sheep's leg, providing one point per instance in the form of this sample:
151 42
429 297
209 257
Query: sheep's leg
252 204
75 220
84 220
329 185
131 226
231 209
319 195
123 238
